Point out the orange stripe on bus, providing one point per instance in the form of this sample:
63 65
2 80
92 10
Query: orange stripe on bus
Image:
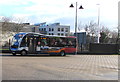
56 51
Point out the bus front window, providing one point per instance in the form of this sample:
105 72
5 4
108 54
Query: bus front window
16 40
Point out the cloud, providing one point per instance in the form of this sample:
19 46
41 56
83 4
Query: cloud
14 2
58 10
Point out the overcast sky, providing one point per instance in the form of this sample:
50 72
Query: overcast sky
51 11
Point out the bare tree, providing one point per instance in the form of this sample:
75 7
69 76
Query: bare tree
16 27
91 30
114 36
5 24
10 24
106 35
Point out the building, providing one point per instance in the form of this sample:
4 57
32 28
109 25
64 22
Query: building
30 28
54 29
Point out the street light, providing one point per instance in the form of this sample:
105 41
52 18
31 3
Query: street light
72 6
98 41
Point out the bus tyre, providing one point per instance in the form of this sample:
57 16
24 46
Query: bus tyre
23 52
14 54
62 53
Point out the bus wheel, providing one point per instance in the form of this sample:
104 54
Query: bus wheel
62 53
14 54
23 53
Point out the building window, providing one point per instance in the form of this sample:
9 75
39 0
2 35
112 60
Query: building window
62 29
59 34
62 34
44 29
39 29
58 29
52 34
49 29
49 33
33 29
66 30
52 29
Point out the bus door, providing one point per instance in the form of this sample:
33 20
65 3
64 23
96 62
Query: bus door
32 45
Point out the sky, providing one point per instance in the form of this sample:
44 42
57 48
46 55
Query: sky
52 11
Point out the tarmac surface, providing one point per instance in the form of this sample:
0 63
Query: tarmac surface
70 67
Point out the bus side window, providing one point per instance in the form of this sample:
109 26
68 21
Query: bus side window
59 42
48 41
75 43
64 42
38 41
44 42
52 42
70 43
23 42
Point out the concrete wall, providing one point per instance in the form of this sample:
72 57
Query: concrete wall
103 48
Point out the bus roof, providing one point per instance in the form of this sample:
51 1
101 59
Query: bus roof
61 36
24 33
54 36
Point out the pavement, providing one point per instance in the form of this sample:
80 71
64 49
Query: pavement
70 67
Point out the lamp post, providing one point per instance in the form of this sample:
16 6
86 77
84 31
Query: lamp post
72 6
98 41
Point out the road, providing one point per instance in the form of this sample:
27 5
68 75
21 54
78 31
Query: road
70 67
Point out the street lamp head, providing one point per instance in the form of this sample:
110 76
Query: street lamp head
71 5
81 7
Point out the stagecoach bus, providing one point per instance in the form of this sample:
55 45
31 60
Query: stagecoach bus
36 43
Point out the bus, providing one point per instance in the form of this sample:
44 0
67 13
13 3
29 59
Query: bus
36 43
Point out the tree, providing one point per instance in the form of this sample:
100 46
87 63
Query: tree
92 31
5 24
91 28
17 28
12 24
104 38
105 35
114 37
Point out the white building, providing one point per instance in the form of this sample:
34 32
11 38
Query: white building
54 29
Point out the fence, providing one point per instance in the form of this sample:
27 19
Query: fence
104 48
